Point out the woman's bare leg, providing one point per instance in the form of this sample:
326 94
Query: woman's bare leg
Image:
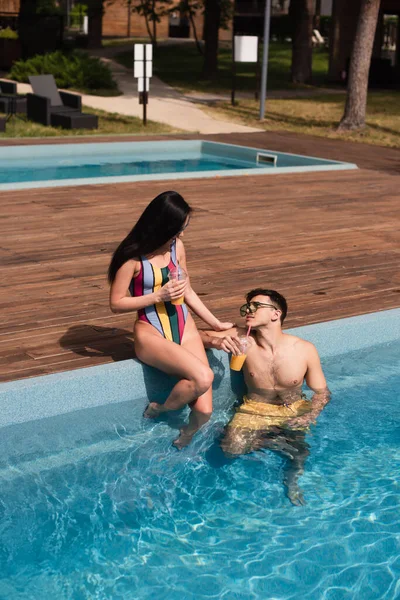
196 376
201 408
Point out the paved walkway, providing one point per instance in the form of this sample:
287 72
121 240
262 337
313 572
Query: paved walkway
166 105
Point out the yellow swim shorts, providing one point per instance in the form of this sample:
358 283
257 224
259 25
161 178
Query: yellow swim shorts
256 416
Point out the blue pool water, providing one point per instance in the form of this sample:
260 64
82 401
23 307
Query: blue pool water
49 165
90 169
122 515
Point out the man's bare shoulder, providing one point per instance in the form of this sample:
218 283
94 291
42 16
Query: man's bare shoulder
301 345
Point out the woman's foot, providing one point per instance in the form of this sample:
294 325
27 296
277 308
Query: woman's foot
184 439
152 411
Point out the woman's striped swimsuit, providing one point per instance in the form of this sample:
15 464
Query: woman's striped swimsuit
169 319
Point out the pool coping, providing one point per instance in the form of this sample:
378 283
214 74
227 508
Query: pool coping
129 380
93 147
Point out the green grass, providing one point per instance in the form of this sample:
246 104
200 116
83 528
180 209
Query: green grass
115 42
320 115
109 123
180 66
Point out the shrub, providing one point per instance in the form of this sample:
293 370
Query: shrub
8 34
78 11
48 8
75 70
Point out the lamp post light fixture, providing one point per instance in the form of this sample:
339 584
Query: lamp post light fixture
142 71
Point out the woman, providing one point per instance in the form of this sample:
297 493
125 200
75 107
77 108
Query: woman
166 336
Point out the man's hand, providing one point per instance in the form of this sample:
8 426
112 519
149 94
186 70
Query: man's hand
302 422
318 401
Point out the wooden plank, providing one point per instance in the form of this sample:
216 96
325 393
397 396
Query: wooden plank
329 241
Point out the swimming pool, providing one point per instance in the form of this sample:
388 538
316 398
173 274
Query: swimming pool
95 503
51 165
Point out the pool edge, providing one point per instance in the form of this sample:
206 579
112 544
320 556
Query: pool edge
44 396
332 165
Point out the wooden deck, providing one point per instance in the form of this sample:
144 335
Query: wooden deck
328 241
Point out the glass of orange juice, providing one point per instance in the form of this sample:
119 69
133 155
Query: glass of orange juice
177 274
237 360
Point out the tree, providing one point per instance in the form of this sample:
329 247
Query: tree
39 27
191 8
301 14
95 23
152 11
317 15
27 11
360 62
212 17
217 13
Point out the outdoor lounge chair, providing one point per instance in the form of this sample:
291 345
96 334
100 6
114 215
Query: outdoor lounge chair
11 102
49 106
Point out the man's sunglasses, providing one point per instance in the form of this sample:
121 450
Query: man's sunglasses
252 307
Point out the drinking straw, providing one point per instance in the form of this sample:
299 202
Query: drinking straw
248 331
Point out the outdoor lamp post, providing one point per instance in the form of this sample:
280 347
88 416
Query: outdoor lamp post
264 71
142 71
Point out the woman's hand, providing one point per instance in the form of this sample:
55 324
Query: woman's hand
229 344
171 291
223 326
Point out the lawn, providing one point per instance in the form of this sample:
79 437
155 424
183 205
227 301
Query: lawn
313 112
109 123
180 66
320 115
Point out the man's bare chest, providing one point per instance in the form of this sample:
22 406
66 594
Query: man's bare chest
274 371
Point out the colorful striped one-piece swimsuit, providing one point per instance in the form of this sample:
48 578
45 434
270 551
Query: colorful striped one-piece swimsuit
169 319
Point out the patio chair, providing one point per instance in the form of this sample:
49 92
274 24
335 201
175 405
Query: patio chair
3 121
49 106
11 102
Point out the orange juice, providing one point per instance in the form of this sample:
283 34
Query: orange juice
177 274
237 362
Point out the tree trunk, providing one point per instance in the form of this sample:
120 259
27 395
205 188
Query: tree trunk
357 90
95 17
146 20
212 16
301 12
154 37
26 26
317 16
196 37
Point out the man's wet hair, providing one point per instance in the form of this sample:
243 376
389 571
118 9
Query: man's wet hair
276 298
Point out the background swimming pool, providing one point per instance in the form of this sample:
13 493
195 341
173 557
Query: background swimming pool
48 165
97 504
90 168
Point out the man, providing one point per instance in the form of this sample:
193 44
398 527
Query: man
274 414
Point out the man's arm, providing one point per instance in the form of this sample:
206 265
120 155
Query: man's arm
222 340
315 380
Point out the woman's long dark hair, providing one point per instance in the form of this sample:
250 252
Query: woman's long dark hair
162 220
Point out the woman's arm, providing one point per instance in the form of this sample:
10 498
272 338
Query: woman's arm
121 302
226 340
192 299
